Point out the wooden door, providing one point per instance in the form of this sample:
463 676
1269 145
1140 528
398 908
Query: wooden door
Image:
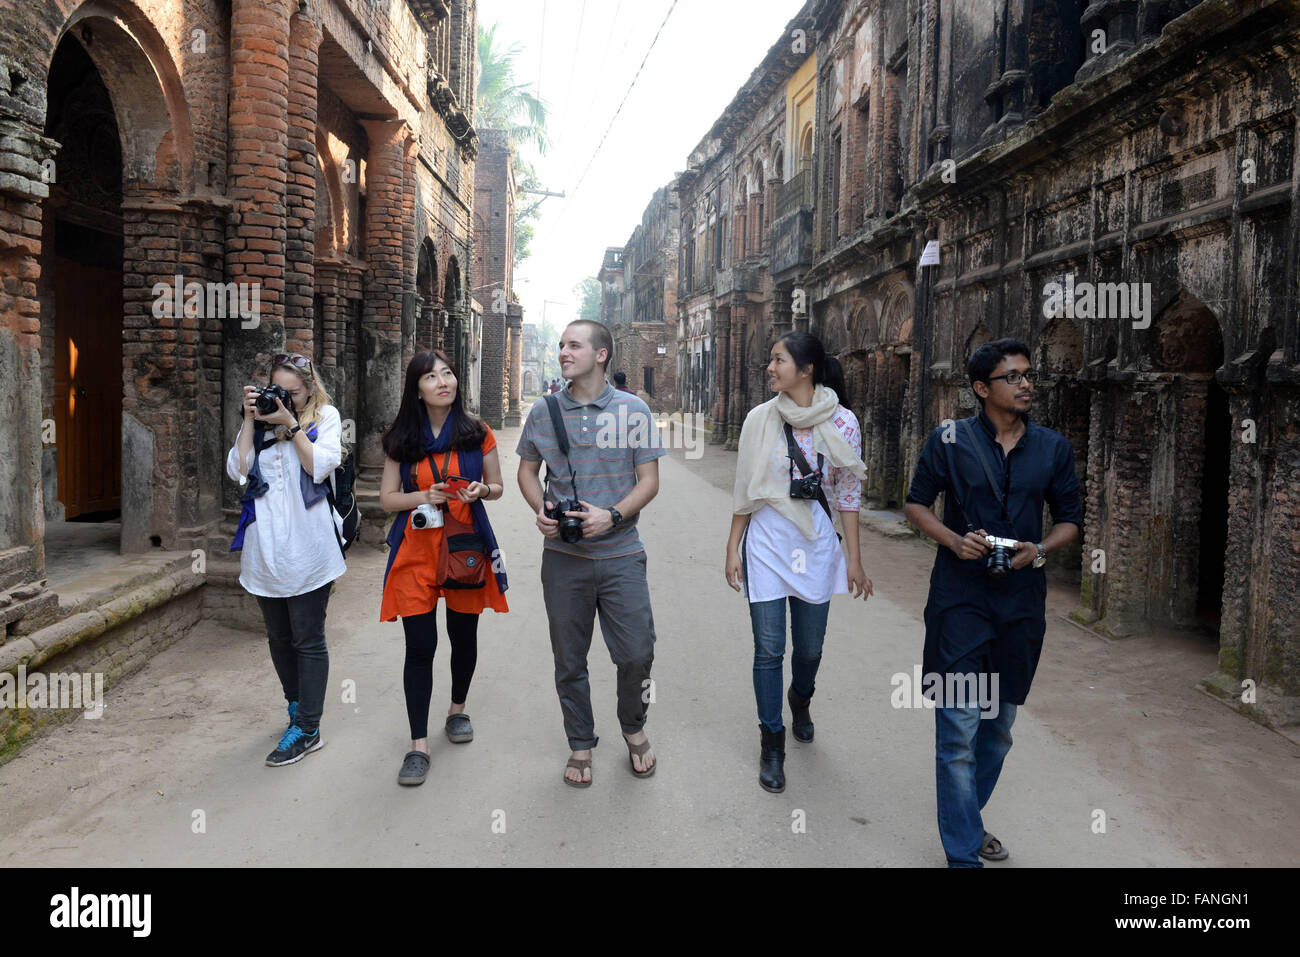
88 386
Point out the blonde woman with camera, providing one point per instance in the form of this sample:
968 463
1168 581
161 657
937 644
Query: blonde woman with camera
289 536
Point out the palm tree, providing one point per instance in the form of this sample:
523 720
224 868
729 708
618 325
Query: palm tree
502 102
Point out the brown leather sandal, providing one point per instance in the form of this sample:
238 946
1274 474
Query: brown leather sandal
639 750
581 764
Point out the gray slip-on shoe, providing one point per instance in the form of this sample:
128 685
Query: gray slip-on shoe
458 728
414 768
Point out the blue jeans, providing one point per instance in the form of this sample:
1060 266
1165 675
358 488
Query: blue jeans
968 755
807 629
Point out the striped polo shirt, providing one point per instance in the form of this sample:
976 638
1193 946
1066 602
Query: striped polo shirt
608 438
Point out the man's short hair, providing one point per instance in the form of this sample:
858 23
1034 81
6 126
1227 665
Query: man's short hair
620 378
599 335
987 357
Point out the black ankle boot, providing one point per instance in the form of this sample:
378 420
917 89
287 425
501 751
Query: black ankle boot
771 761
801 722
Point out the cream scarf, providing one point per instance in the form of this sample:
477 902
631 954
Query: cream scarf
757 484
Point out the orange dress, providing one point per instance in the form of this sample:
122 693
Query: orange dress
412 587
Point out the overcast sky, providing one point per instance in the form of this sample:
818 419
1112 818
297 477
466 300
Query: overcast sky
581 55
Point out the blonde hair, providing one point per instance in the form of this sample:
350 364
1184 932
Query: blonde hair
317 396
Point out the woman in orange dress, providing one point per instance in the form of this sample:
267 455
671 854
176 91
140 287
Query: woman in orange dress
433 429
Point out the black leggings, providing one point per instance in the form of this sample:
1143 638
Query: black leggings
417 675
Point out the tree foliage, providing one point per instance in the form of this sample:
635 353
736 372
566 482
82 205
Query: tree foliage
587 294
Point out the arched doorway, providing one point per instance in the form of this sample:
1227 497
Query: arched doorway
82 275
116 107
426 287
456 334
1188 529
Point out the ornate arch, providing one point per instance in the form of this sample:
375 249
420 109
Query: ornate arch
135 64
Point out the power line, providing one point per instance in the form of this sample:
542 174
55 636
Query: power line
619 109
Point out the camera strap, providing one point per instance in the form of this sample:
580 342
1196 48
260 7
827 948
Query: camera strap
796 454
561 439
446 463
988 470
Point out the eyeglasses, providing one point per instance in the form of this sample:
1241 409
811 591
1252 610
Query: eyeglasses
291 358
1013 378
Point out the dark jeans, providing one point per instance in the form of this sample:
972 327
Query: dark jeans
295 629
417 673
575 590
969 751
807 630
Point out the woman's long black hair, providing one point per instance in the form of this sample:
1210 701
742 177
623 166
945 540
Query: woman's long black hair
404 440
807 350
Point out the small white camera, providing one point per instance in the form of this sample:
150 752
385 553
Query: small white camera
426 516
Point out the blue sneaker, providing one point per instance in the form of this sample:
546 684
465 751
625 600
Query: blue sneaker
293 714
295 744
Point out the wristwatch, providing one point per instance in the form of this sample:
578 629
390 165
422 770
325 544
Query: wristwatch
294 431
1041 560
616 516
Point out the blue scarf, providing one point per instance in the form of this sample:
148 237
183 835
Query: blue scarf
312 492
470 463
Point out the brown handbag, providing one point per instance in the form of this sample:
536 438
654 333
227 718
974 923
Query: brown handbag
462 561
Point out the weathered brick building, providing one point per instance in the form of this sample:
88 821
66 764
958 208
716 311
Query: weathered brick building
744 195
531 363
494 286
638 299
1073 162
186 188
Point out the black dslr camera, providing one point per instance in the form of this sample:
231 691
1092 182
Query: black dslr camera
806 486
264 400
570 525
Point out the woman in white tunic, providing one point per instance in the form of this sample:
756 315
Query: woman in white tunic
783 546
290 538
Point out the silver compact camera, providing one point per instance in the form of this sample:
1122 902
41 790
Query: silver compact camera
999 560
426 516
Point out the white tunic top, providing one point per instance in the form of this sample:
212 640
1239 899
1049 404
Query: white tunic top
779 560
291 549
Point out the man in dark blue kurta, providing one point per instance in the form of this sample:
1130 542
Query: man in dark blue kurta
977 624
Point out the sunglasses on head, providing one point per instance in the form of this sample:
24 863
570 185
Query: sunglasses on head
293 359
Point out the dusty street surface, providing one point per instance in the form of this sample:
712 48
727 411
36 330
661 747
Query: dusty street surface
1117 727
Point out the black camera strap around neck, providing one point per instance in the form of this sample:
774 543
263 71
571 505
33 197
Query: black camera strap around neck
796 455
561 439
988 471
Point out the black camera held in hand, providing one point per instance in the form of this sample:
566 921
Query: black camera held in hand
264 400
570 525
1001 551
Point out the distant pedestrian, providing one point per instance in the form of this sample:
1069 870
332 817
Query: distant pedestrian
620 382
440 466
783 546
289 537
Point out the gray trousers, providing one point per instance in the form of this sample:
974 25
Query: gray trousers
575 590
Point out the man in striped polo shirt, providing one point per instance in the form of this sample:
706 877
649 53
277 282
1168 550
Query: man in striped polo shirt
613 457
